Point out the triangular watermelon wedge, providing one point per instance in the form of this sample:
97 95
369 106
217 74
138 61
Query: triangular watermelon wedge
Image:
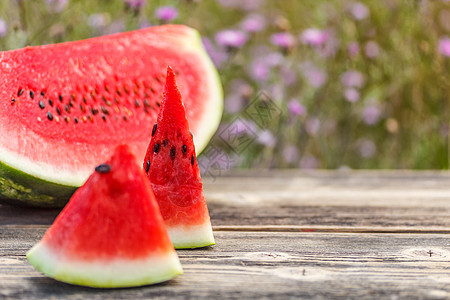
172 168
111 233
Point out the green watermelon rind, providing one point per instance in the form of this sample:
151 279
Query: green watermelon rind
20 188
116 273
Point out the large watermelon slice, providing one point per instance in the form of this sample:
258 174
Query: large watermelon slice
64 107
171 166
111 233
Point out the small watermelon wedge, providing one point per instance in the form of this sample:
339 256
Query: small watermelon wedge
111 233
64 107
172 168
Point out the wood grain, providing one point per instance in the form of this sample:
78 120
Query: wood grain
264 265
400 199
283 234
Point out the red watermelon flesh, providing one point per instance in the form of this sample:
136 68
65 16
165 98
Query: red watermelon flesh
111 233
64 107
171 166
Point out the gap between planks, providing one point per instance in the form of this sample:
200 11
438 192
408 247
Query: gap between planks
294 228
289 228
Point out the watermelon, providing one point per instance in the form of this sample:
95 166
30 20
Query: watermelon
172 168
64 107
111 233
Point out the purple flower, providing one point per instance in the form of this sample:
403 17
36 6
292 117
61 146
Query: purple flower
359 11
366 148
309 162
371 49
352 79
315 76
253 23
288 76
116 26
296 108
240 90
312 126
3 28
259 70
217 55
166 13
313 37
371 114
56 6
290 154
231 38
135 4
263 63
266 138
248 5
444 46
353 48
98 21
351 95
283 40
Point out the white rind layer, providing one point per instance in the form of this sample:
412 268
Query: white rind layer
106 273
191 236
210 122
70 176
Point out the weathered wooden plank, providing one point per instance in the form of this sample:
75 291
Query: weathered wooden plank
402 200
255 265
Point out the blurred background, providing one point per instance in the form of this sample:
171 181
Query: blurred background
308 84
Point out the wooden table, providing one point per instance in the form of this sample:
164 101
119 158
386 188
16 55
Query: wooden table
284 234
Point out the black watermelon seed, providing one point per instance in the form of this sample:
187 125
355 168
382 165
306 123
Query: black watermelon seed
50 101
84 100
104 118
136 102
82 108
146 104
43 94
147 167
76 120
184 148
104 110
32 94
192 159
60 98
67 119
41 104
172 153
94 111
20 92
165 142
49 116
158 104
58 110
66 107
103 168
13 100
156 148
154 129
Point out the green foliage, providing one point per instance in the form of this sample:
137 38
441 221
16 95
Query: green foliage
398 117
